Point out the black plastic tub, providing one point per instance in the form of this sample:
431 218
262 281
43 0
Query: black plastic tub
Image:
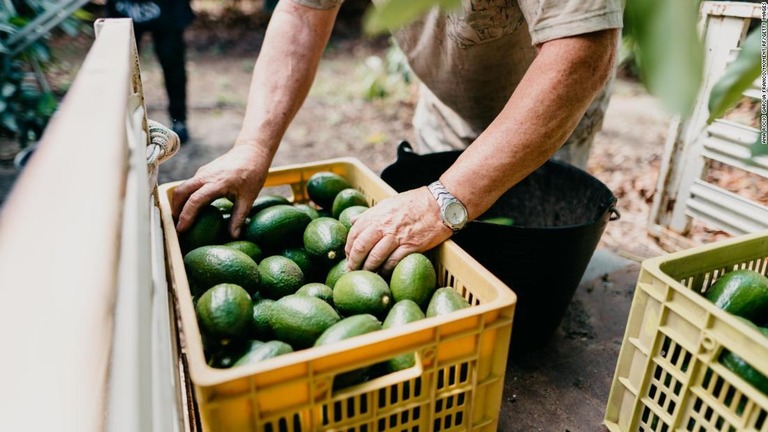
559 213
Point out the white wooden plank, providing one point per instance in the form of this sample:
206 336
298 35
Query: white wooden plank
722 34
731 9
726 210
730 142
129 391
130 385
668 181
681 194
60 229
754 91
168 409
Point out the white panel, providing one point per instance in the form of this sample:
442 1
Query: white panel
681 194
69 198
730 142
726 210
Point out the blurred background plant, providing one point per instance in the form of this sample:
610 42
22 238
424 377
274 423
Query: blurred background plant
660 42
26 100
739 76
383 77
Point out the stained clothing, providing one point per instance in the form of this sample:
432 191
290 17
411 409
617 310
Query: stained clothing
470 60
166 21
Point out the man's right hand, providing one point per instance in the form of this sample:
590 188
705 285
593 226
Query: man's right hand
238 175
293 45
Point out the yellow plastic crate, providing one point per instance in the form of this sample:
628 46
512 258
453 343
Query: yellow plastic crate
456 384
668 377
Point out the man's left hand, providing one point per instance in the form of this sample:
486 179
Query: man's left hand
395 227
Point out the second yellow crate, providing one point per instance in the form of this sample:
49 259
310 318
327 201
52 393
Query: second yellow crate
668 377
456 384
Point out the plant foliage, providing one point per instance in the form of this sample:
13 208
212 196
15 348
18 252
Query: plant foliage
667 50
392 14
738 77
26 102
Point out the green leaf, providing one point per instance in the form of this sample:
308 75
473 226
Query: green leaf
19 21
9 6
737 78
394 14
6 28
667 49
29 97
83 15
46 105
8 89
40 51
9 122
70 27
626 50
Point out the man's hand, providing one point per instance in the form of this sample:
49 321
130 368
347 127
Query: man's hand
293 44
395 227
238 175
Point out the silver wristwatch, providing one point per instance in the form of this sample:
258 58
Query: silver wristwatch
452 211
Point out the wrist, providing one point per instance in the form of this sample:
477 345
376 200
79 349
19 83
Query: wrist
251 156
452 211
256 147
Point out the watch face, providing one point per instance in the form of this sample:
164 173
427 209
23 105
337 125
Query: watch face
455 214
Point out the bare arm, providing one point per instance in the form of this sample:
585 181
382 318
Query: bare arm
294 42
540 115
286 67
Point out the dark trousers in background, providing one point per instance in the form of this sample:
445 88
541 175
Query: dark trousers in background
170 50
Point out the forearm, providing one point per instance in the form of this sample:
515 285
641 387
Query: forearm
293 45
538 118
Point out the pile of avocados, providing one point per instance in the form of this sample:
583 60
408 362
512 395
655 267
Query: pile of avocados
743 293
285 286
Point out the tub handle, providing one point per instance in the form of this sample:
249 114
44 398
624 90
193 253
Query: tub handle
615 215
404 150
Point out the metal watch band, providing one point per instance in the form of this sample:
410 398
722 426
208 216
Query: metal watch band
440 193
443 197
